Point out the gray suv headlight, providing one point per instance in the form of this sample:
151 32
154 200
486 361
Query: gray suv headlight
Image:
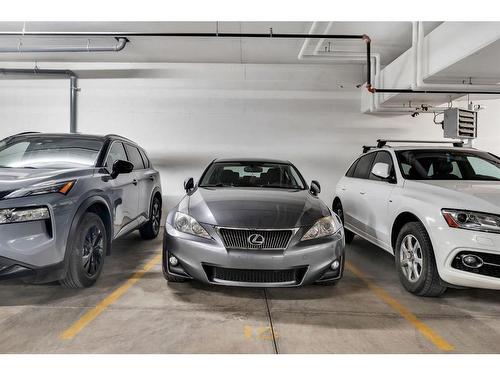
187 224
19 215
45 188
325 226
472 220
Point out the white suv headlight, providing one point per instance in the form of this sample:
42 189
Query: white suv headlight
19 215
187 224
472 220
325 226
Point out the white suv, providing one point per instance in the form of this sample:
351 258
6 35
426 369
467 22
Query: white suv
437 209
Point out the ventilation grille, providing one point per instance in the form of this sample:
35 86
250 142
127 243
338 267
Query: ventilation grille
267 239
460 124
245 276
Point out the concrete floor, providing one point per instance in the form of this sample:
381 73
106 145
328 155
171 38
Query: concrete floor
155 317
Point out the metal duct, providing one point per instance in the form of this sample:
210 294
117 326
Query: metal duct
54 72
121 43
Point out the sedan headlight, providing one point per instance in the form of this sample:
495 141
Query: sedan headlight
187 224
325 226
472 220
19 215
44 188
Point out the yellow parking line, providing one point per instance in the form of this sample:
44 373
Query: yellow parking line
86 319
425 330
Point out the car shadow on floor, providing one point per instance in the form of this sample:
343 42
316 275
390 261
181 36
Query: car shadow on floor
129 253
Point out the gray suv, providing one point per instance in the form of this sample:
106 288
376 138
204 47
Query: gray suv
65 197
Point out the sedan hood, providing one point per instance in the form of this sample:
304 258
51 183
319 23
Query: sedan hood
256 207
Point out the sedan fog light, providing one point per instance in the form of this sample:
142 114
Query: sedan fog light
173 261
335 265
472 261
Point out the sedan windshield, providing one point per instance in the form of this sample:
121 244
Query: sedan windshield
49 152
252 174
449 165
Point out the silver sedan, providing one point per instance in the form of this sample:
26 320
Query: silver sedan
251 222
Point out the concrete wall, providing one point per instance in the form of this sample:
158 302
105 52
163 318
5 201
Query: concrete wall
320 131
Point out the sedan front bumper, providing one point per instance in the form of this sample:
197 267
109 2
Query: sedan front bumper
207 260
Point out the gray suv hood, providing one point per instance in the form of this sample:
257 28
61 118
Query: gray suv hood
17 178
256 207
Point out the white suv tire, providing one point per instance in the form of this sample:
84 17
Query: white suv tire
415 261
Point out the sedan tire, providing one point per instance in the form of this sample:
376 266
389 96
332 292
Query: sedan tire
338 209
415 262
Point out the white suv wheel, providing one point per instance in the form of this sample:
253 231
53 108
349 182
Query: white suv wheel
410 255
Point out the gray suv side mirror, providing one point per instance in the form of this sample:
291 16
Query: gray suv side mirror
188 184
315 188
120 167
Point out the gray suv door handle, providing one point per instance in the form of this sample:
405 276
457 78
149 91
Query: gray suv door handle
362 193
134 181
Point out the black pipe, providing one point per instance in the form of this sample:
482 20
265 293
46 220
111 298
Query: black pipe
124 34
368 64
373 90
364 37
54 72
409 91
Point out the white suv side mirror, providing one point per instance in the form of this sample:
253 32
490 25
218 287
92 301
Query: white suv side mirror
381 170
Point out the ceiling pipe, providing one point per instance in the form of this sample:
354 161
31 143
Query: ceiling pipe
122 34
73 80
121 43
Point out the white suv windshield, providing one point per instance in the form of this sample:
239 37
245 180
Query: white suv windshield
448 165
49 152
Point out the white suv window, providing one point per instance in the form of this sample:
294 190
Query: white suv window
483 168
453 164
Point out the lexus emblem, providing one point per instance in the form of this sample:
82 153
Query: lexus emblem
256 239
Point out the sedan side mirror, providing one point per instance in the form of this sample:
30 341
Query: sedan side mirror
315 188
381 170
188 184
120 167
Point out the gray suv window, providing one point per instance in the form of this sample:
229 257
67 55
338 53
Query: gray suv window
117 152
134 156
363 166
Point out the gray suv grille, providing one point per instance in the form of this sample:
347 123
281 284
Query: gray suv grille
242 238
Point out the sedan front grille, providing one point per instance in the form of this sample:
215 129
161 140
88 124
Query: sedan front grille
221 275
255 239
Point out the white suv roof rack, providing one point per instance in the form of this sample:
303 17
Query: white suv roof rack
383 143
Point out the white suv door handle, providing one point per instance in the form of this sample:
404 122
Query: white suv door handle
362 193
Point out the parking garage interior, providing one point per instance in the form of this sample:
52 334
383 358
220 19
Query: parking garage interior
190 99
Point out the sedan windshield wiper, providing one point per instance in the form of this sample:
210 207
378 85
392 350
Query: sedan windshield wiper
217 185
278 187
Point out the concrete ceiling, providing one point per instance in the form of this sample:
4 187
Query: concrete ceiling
390 39
479 68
